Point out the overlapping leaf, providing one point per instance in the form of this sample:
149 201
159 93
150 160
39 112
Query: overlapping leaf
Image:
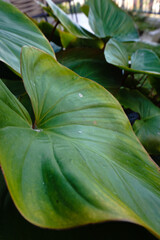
105 18
90 63
108 20
147 128
17 30
142 61
82 163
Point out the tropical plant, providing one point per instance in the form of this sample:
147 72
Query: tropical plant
68 152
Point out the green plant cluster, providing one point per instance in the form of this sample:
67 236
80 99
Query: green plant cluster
79 119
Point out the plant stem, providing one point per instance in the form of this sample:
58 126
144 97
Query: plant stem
53 31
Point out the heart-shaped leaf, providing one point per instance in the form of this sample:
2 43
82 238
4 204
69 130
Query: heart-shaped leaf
147 128
82 162
142 61
108 20
71 26
17 30
90 63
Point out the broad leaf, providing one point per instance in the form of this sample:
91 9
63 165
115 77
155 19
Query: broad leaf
146 61
90 63
17 30
142 61
108 20
14 226
105 18
81 163
147 128
72 27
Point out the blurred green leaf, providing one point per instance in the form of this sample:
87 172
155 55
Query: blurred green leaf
105 18
142 61
17 30
147 128
108 20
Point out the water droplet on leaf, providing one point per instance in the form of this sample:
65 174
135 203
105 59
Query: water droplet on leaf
38 130
80 95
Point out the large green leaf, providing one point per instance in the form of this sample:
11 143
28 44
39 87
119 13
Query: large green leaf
90 63
108 20
72 27
17 30
81 163
147 128
105 18
14 226
142 61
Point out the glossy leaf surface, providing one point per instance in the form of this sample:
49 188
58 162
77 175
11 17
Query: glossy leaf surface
142 61
17 30
14 226
72 27
90 63
108 20
147 128
82 163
